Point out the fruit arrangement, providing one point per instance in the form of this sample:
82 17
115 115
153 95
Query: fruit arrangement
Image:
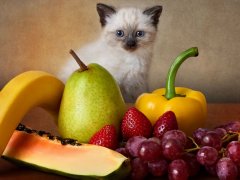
169 152
77 113
162 135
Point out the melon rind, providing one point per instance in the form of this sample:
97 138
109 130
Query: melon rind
120 173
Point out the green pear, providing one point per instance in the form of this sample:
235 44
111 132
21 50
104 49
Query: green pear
91 100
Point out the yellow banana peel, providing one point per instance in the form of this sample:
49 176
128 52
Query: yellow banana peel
25 91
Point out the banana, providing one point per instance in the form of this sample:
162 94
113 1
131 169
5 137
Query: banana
25 91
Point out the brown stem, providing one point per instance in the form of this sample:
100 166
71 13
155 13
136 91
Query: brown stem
193 149
83 67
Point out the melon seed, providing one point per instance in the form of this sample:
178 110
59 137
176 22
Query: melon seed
20 127
27 130
68 141
41 133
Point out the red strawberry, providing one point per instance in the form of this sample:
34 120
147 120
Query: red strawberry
135 123
165 123
107 137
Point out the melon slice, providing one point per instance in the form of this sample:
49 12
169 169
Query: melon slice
66 157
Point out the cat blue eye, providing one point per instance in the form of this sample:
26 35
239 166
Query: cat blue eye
140 33
119 33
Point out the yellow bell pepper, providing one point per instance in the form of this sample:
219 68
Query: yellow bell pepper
189 106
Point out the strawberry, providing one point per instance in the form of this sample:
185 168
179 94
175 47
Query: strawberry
135 123
107 137
166 122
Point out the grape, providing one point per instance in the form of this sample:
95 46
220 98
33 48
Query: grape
226 169
158 167
172 149
207 155
157 157
198 134
178 170
221 132
155 139
232 126
139 169
175 134
192 163
211 169
212 139
123 151
238 167
149 151
189 144
133 145
233 151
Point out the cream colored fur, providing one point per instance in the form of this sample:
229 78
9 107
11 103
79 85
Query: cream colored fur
129 67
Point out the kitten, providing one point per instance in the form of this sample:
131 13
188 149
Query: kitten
124 47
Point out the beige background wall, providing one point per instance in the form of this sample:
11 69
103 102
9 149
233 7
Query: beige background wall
38 35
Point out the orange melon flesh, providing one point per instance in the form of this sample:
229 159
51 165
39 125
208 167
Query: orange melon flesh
72 160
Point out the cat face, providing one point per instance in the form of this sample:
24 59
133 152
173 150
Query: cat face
129 28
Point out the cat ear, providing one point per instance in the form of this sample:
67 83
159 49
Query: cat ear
155 13
104 11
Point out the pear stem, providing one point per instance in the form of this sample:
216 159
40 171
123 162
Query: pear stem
83 67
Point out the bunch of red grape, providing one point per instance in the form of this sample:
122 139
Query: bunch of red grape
178 157
218 150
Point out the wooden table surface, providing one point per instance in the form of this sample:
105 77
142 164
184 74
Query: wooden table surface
40 120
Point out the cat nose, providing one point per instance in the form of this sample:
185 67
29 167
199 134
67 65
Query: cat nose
131 43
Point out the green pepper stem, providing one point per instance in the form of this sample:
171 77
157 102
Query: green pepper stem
170 83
